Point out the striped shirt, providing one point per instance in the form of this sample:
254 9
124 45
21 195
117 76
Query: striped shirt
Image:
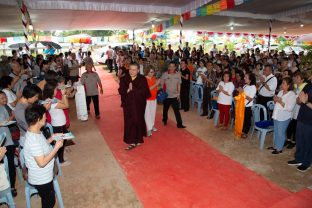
36 145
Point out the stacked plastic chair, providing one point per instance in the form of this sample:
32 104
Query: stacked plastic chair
197 97
8 198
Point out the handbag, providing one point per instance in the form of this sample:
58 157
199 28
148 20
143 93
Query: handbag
161 96
15 132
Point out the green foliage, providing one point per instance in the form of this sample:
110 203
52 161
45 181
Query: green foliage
308 58
283 43
93 33
230 46
65 33
11 34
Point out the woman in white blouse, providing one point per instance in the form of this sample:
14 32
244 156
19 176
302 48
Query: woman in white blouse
225 98
6 85
285 102
201 70
250 91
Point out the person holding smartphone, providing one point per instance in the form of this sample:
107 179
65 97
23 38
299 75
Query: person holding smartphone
39 155
10 147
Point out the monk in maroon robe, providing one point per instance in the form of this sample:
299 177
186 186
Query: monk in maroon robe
134 91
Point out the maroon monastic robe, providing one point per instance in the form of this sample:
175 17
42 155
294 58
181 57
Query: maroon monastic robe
133 104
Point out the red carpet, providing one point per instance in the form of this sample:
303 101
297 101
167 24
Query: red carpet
176 169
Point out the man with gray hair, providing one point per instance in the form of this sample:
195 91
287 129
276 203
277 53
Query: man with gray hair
19 76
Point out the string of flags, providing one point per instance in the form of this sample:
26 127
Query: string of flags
206 10
25 21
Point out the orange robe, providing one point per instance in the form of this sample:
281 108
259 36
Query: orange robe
239 114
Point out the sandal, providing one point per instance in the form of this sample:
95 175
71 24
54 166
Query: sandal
244 136
130 147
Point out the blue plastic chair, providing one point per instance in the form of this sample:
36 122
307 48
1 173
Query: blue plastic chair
60 173
261 134
216 114
270 107
191 89
232 111
30 190
8 198
18 169
197 97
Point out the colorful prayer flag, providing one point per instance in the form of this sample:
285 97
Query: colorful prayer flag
186 16
210 9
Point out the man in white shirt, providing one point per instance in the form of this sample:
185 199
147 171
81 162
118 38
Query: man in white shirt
268 85
214 50
110 57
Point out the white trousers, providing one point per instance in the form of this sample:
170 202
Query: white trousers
150 114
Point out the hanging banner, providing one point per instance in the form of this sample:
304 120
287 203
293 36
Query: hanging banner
210 9
186 16
3 40
205 10
216 7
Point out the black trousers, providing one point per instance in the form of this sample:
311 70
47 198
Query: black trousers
47 194
110 64
207 105
12 171
247 120
303 144
175 105
95 100
185 97
263 101
291 130
60 152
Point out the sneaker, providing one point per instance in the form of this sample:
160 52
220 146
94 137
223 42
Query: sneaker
154 129
149 133
287 142
276 152
291 145
14 192
181 127
204 114
65 163
293 163
303 168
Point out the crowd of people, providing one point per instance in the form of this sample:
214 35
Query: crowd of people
35 91
34 99
262 77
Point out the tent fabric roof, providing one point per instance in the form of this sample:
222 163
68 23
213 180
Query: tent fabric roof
287 15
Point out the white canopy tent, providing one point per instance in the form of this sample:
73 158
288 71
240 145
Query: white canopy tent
287 15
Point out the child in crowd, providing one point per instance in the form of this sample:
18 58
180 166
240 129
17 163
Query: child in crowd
225 90
151 104
58 118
